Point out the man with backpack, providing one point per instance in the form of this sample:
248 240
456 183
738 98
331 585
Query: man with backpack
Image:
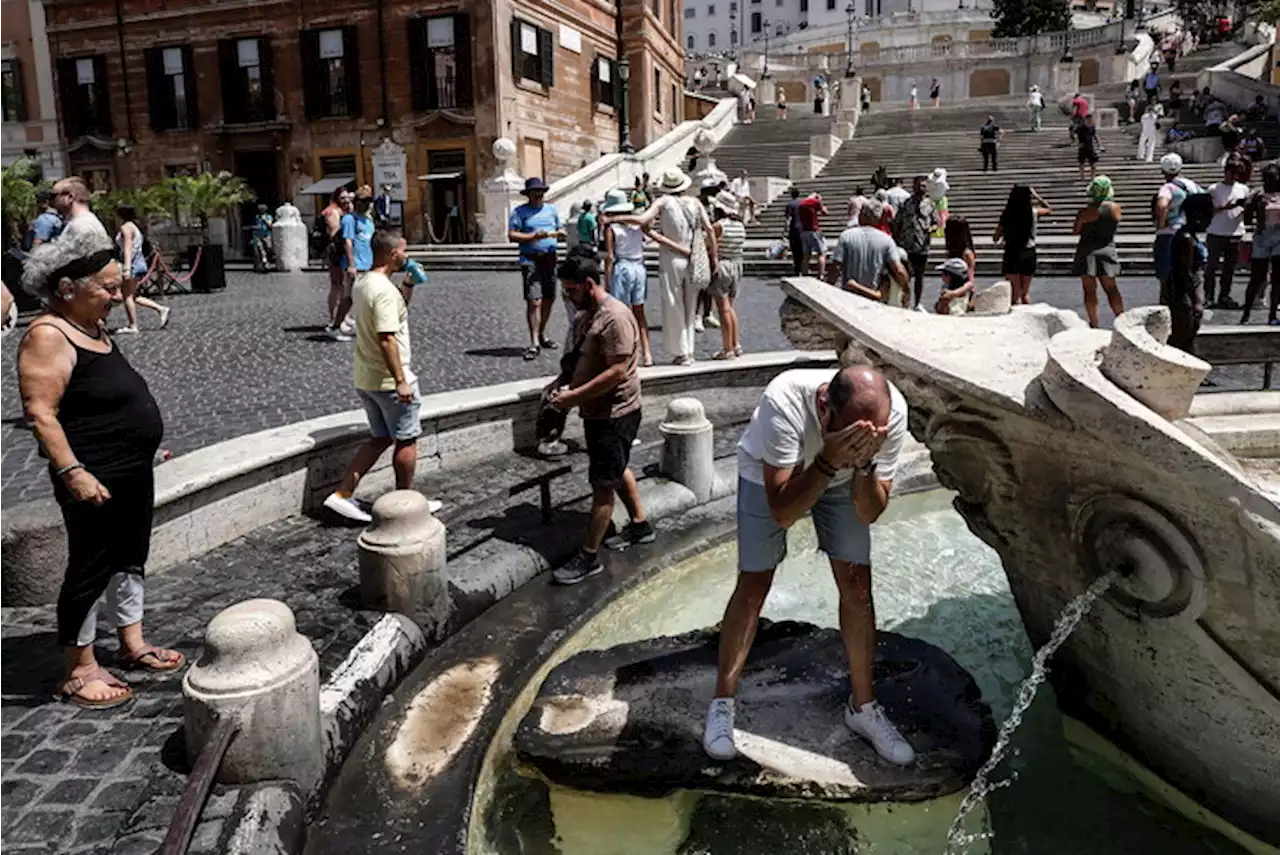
46 226
1167 211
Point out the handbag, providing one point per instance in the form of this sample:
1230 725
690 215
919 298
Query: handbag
699 260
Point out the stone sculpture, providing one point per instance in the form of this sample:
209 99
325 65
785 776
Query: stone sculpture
289 238
1080 452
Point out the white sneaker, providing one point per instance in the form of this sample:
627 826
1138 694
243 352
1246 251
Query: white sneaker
873 725
125 331
717 739
711 322
921 309
165 311
348 326
434 506
697 325
337 334
347 508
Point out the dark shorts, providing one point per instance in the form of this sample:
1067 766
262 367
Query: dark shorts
1086 155
609 448
538 276
918 261
1019 262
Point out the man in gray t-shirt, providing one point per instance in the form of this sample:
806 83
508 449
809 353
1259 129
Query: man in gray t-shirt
865 253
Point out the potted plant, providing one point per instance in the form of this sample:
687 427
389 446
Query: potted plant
199 199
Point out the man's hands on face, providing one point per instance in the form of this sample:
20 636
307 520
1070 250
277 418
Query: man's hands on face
854 445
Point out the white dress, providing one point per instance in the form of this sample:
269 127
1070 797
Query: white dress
679 297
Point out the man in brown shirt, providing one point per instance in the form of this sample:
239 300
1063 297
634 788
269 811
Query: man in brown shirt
604 384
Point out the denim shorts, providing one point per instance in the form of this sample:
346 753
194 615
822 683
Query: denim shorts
762 543
630 282
388 418
1266 243
813 242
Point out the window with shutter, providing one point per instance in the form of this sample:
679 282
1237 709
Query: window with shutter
532 53
192 90
267 79
99 106
171 88
421 86
546 56
330 72
441 61
351 43
15 101
314 79
248 92
462 60
159 105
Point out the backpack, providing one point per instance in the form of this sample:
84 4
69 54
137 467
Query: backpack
1155 197
319 236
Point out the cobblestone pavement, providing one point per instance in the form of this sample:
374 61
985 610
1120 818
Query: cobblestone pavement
252 357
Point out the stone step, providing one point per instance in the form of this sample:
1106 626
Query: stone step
1244 434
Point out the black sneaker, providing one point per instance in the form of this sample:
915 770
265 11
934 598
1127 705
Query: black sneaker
1225 302
635 532
582 566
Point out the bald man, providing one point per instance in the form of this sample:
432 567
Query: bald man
825 446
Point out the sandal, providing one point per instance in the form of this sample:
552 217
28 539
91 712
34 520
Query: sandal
70 690
531 353
737 351
548 344
725 354
160 659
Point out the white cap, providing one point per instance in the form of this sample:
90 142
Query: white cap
1171 163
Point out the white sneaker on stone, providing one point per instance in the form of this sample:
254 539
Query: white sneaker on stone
697 325
125 331
717 739
338 335
165 311
711 323
873 725
921 309
348 326
347 508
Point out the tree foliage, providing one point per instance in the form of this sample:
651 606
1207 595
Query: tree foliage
19 198
1029 17
1269 12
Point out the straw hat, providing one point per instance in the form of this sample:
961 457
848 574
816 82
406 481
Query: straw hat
725 201
674 181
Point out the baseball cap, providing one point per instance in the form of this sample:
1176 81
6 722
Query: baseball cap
954 266
1171 163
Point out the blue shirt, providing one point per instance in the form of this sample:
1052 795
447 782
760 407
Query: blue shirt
1151 81
46 227
359 230
262 226
529 219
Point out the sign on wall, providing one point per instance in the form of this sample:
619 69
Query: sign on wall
389 168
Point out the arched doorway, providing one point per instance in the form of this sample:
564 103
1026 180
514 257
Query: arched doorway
1089 72
988 82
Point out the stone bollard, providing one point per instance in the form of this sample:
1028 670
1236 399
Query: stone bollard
687 447
402 560
258 669
289 238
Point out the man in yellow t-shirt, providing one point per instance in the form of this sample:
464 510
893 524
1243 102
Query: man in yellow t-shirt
384 381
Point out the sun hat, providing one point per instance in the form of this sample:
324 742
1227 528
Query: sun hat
674 181
1100 189
617 202
532 184
954 266
1171 163
725 201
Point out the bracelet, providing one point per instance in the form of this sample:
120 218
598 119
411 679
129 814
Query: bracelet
821 464
70 467
867 468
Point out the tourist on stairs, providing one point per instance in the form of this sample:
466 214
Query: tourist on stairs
99 427
536 226
384 378
867 257
600 376
1097 261
794 235
1150 134
1263 211
1183 292
826 446
989 142
1035 107
810 213
1224 235
913 227
1087 146
730 237
1169 216
1017 229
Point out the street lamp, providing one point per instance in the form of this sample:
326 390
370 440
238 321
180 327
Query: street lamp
851 13
733 31
624 107
765 72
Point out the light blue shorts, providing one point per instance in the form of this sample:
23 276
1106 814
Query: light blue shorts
630 282
762 543
390 418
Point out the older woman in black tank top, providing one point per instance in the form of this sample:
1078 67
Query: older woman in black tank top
99 427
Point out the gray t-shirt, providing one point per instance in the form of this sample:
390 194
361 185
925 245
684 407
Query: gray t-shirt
865 253
86 222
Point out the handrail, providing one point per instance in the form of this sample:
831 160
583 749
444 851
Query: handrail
194 795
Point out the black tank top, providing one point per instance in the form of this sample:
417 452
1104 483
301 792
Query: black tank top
111 421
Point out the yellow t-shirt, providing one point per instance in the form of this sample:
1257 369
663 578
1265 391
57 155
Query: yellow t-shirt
379 308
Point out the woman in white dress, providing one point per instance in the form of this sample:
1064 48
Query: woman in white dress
682 221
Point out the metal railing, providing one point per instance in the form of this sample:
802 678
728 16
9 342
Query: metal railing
196 793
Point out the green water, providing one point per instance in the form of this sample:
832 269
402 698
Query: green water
932 580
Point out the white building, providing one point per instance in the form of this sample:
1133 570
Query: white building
716 26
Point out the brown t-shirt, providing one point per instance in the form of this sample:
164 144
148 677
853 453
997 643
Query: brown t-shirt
610 332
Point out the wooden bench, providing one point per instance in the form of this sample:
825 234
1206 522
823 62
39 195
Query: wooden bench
1240 345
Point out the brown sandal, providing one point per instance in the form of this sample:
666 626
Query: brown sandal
70 691
158 655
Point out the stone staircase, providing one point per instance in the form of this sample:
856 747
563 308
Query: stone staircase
1010 112
765 146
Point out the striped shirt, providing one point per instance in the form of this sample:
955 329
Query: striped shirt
732 237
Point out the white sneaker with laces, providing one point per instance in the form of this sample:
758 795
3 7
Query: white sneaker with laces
697 325
338 335
165 311
873 725
711 323
717 739
347 508
348 326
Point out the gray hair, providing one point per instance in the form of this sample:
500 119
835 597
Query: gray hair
48 258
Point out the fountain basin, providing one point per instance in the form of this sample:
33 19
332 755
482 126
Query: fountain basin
629 719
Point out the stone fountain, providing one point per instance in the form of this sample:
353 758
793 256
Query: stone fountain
1075 452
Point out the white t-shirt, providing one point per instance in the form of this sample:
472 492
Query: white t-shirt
896 196
785 431
86 222
1035 99
628 242
1150 117
1228 223
740 187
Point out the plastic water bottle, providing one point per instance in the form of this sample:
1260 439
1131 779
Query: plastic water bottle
416 274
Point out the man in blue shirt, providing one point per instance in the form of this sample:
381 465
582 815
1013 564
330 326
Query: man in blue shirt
356 229
48 225
536 226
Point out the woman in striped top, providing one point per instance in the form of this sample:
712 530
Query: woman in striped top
730 237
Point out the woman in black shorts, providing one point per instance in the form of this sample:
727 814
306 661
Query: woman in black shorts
1017 228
